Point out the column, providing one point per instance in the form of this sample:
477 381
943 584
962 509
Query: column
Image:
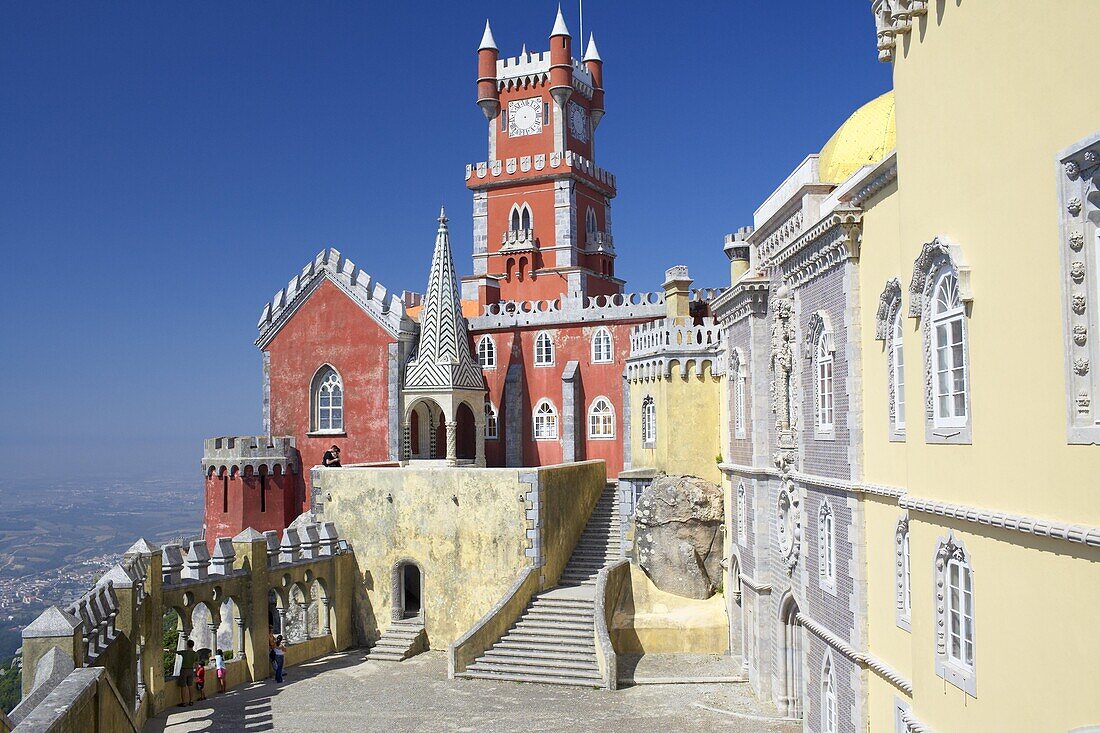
239 646
406 441
282 621
479 441
431 433
324 609
452 443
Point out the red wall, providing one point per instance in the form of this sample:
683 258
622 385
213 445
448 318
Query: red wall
233 503
330 328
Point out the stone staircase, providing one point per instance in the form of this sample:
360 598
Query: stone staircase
553 642
403 639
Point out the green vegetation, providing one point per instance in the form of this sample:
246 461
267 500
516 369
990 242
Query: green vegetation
171 640
11 691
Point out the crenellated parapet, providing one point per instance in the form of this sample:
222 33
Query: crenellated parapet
554 164
386 308
655 347
250 453
569 309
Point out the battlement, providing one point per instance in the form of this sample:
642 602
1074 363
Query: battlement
529 69
386 308
569 309
656 346
571 161
235 454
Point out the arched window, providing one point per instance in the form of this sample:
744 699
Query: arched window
742 514
601 419
649 422
590 225
902 574
327 395
828 697
949 352
826 534
740 378
544 350
520 218
492 429
486 353
824 385
601 346
955 647
897 371
546 421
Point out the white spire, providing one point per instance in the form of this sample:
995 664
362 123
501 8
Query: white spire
487 40
591 54
559 25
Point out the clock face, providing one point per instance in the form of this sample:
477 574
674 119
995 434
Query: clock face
525 117
578 122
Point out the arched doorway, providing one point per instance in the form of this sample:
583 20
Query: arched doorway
466 429
408 586
790 660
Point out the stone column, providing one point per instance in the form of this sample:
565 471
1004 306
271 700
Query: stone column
479 441
282 621
431 433
239 646
406 441
452 443
323 610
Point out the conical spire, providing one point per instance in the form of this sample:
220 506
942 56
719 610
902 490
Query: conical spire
443 359
560 28
591 54
487 40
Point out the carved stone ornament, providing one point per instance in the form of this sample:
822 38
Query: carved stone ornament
1081 366
888 303
1072 169
1077 302
782 359
1077 241
1077 271
947 551
899 561
1080 334
934 255
1091 157
789 525
1074 205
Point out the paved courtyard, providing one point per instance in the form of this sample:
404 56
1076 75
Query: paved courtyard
344 693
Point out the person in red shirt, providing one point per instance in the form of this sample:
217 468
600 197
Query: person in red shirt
200 680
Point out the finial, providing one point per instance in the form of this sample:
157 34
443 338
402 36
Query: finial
559 25
487 40
442 215
591 54
524 51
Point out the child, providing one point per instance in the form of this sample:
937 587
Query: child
219 669
200 680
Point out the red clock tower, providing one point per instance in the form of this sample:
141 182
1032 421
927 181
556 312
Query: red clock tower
542 208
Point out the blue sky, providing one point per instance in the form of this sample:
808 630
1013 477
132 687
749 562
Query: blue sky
166 167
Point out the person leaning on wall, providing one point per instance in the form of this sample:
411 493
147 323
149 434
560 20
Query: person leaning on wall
331 459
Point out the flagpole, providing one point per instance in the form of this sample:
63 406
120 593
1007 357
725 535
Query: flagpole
581 3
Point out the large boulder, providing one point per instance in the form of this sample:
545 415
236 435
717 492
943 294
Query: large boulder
677 535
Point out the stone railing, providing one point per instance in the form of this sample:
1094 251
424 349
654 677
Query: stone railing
494 624
518 240
570 309
600 242
103 652
609 587
672 335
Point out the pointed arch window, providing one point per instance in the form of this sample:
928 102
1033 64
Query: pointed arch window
546 421
520 219
544 350
492 426
649 422
827 547
487 352
327 396
828 697
601 419
601 346
590 224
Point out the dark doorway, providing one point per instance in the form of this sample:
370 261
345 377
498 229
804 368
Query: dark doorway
410 591
466 438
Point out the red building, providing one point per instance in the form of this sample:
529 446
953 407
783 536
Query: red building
547 320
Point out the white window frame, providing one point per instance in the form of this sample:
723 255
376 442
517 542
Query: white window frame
944 322
326 380
649 422
897 372
544 420
824 375
954 609
603 351
519 216
591 226
492 422
739 385
742 514
829 707
826 547
903 576
487 352
601 419
544 349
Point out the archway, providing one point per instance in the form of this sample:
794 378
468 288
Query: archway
467 432
425 430
408 587
790 660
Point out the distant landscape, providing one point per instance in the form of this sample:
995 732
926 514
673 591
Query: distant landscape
57 537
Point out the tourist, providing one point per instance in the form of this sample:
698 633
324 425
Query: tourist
271 644
200 679
219 669
280 657
331 459
186 677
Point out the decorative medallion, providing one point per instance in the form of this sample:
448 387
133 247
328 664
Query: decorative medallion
1074 205
1081 366
789 525
1077 271
1077 241
1072 169
1077 302
1080 334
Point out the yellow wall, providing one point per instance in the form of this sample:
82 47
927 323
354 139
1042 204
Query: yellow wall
688 424
649 621
987 94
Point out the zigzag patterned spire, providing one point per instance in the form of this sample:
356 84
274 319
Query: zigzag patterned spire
443 359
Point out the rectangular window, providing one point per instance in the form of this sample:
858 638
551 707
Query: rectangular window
263 492
503 119
739 406
960 615
225 493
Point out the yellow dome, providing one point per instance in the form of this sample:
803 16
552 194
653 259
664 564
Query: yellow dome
865 138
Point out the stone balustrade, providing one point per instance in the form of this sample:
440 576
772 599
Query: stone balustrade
518 240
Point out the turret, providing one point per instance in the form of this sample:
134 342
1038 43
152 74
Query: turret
677 287
594 64
737 250
488 95
561 61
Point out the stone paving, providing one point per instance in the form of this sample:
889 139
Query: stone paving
344 693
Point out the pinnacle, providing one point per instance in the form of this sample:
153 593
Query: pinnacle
591 54
442 215
487 40
560 28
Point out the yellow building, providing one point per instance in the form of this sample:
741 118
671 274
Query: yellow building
912 527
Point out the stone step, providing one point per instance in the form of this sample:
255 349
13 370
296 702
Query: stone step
552 613
528 633
538 623
403 633
586 645
579 666
578 655
573 583
553 672
545 680
385 656
579 603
